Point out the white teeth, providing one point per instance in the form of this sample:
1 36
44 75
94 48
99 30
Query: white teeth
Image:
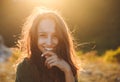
49 49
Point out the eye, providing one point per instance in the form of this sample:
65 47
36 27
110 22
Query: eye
42 35
55 36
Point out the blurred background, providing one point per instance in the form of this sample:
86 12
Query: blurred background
95 25
92 21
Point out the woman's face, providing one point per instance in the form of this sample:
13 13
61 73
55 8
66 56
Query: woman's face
47 39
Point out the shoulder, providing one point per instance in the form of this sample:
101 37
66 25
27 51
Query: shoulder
26 71
26 64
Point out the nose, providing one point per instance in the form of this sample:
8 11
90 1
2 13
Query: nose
49 41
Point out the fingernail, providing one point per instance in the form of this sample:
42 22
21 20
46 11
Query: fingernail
42 55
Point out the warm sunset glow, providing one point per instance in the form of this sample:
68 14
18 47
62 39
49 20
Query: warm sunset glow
43 2
94 25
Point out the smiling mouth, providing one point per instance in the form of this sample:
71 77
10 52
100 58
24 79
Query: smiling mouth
49 49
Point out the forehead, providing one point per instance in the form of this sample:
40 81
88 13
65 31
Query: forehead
46 25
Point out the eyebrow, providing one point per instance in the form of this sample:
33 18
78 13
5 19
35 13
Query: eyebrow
41 32
46 32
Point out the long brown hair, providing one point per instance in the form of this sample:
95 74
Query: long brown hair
64 50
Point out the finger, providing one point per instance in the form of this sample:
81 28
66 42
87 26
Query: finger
49 59
52 64
47 54
48 64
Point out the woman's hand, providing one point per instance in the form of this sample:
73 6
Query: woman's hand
53 60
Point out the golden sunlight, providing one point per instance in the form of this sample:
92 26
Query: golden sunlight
43 2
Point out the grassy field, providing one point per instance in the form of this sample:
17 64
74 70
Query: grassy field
105 68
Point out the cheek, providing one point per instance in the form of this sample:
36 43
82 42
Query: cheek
55 41
40 44
40 41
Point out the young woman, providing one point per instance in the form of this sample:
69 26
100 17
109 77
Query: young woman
49 46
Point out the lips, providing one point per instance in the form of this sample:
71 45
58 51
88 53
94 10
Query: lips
49 49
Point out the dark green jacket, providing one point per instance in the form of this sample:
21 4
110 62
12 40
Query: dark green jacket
27 72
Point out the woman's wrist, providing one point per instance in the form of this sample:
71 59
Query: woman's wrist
68 70
69 76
